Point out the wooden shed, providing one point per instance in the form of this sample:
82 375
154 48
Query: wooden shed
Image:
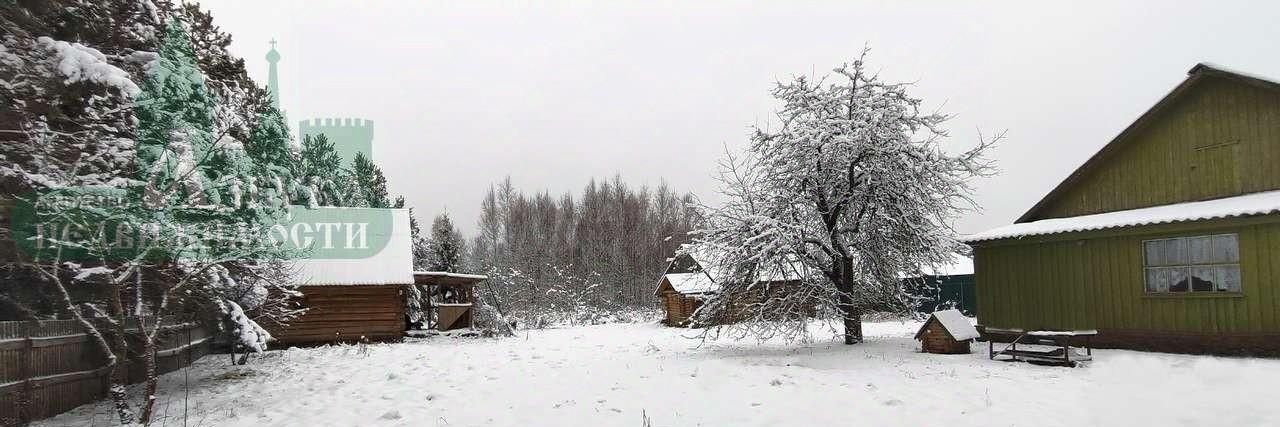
682 294
1166 239
359 297
946 332
687 283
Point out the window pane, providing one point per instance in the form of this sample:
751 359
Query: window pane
1175 251
1154 253
1228 278
1202 279
1201 249
1179 280
1226 248
1157 280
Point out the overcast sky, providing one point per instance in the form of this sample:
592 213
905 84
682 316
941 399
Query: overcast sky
465 93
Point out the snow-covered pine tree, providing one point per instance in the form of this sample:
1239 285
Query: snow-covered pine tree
321 166
369 185
446 246
175 114
274 160
852 190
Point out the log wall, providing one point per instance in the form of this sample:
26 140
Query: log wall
346 314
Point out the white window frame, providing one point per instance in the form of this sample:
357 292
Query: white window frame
1219 265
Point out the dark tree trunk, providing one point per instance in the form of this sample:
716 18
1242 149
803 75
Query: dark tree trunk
119 372
852 317
149 365
849 311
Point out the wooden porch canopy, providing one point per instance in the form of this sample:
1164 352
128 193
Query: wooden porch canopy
451 298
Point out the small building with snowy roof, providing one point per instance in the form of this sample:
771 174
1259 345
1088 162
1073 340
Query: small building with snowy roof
689 280
946 332
352 277
1167 239
682 288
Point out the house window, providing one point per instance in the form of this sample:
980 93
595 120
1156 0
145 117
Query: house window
1192 264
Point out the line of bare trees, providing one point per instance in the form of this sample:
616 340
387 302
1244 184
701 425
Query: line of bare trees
601 250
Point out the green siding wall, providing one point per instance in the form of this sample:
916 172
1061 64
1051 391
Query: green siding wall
1095 280
1220 138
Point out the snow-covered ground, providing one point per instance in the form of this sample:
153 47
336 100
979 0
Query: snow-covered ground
623 374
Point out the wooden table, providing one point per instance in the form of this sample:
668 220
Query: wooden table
1052 347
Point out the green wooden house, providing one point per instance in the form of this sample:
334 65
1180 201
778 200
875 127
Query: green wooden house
1167 239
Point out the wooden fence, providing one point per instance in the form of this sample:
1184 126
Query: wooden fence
52 366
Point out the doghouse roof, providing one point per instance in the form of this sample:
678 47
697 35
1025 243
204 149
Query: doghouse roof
954 322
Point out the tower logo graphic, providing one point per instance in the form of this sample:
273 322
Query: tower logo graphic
350 136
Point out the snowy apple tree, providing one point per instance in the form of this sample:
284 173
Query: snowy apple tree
853 189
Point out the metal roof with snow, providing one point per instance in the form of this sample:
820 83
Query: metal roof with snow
1263 203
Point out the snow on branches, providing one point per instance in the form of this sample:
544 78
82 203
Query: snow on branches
78 62
853 190
245 331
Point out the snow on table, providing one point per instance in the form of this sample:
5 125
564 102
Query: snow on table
615 375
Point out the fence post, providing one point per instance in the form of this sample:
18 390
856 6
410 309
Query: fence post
26 396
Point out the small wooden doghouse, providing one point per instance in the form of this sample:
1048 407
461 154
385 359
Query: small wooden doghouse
946 332
359 298
451 296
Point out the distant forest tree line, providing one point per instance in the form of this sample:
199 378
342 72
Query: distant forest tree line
597 252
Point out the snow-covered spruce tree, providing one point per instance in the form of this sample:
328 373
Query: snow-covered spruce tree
321 166
275 163
368 184
852 190
446 246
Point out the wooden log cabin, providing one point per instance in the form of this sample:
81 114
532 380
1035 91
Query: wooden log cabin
354 299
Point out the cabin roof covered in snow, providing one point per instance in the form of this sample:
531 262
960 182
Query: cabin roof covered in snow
701 280
393 265
954 322
1197 74
691 283
1244 205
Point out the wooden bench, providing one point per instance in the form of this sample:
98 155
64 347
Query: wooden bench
1050 347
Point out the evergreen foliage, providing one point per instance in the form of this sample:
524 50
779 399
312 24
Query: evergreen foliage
368 184
446 247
